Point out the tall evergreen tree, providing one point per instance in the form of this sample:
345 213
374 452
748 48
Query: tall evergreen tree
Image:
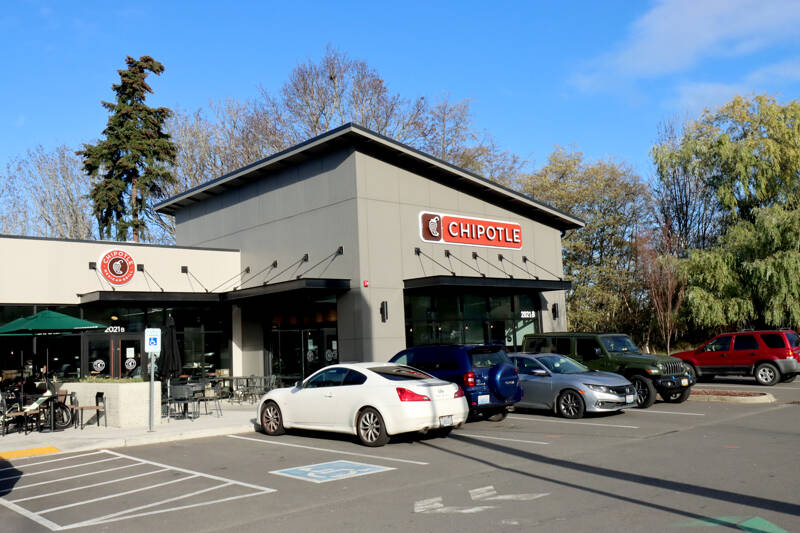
131 164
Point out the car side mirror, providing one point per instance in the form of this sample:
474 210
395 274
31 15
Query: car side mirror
298 384
597 351
539 372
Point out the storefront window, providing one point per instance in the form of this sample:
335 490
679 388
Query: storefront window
469 318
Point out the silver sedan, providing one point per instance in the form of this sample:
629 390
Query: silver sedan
552 381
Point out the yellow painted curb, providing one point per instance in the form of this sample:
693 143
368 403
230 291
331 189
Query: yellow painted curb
30 452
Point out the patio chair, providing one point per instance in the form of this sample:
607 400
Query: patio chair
182 397
212 394
98 408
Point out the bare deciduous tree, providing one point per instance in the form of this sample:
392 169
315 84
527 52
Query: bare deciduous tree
46 194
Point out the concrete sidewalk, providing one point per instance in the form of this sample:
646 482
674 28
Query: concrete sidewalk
236 418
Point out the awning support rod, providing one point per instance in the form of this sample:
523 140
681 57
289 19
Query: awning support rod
501 258
475 256
339 251
245 271
526 260
417 251
297 263
449 255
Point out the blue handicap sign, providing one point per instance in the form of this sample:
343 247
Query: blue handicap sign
152 341
330 471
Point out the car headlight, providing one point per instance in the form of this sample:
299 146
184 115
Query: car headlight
597 388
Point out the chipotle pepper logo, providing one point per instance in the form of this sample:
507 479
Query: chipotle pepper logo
453 229
117 267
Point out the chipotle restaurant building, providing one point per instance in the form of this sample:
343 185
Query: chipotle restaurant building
349 246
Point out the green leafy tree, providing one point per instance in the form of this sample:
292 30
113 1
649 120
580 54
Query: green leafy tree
747 152
131 164
752 278
599 259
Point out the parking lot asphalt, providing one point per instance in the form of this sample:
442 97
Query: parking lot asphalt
683 467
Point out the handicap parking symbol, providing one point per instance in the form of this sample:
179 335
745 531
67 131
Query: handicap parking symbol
330 471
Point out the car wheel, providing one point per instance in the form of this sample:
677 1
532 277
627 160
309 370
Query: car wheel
272 419
370 428
497 416
645 391
677 396
570 404
767 374
788 379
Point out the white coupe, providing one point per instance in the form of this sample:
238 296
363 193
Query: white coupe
370 400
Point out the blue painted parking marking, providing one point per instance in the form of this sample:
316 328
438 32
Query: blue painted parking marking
330 471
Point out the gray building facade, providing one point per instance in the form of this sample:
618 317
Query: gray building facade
353 246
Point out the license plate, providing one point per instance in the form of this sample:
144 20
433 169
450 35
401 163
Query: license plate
685 382
446 421
629 398
483 399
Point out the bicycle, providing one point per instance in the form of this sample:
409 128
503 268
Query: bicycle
47 404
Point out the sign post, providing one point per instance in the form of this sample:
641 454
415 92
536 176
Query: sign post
152 345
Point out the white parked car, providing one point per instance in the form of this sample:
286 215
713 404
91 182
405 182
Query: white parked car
371 400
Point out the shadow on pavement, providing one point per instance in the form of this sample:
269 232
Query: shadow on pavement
687 488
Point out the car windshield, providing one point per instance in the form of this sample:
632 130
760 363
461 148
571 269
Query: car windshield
619 343
793 338
400 373
487 357
558 364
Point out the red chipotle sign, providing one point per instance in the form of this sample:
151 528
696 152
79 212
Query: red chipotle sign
117 266
441 227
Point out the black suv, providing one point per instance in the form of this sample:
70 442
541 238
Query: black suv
485 372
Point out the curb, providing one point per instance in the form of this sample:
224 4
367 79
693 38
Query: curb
763 397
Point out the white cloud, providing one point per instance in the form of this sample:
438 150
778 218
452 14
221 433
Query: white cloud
675 35
693 98
783 71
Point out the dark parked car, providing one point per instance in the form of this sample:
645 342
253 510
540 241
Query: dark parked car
485 372
769 356
615 352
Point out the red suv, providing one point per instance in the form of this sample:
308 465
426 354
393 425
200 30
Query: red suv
769 356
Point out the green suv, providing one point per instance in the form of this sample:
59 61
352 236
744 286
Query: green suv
614 352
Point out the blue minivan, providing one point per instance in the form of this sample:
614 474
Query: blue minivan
485 372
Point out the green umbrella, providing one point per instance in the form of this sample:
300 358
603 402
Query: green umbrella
47 322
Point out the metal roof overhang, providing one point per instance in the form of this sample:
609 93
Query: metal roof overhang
289 288
147 297
292 287
351 136
499 284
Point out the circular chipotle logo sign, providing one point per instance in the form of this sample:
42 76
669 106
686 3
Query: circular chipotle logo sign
117 267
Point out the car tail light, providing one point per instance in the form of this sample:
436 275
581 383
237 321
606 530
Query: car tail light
411 396
459 393
469 379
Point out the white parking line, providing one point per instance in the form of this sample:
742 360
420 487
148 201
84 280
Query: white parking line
49 461
84 487
660 412
265 441
151 490
57 469
115 495
538 420
501 438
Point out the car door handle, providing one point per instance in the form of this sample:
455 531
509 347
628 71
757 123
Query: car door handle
328 395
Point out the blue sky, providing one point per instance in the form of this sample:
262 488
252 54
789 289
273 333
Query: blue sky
596 75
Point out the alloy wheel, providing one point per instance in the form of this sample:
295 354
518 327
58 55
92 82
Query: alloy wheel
369 426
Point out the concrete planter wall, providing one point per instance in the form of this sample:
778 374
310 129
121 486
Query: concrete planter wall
127 404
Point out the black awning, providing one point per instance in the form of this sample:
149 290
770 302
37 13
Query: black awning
506 284
147 297
286 288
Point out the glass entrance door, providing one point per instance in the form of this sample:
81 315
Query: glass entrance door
295 354
113 355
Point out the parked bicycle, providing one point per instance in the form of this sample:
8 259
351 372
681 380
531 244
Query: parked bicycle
48 403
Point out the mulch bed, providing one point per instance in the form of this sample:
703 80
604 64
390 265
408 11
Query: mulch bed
708 392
